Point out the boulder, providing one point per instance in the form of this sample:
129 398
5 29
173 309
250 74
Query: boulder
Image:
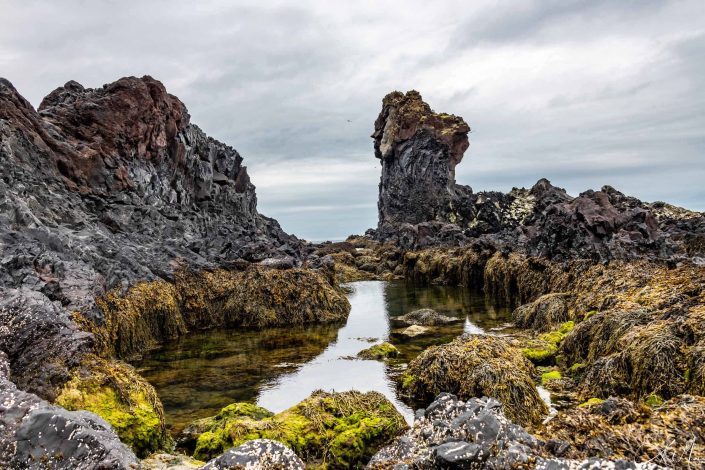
478 365
423 317
258 454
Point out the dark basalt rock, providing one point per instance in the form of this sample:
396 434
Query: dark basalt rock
35 434
420 204
103 187
454 434
259 454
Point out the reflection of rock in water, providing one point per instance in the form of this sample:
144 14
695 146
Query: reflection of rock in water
195 375
402 298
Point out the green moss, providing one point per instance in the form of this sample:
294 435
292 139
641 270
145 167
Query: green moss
548 376
540 354
243 409
544 350
589 314
407 380
591 402
576 369
333 430
115 392
379 351
653 400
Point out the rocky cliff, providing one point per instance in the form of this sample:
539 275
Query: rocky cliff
105 186
421 205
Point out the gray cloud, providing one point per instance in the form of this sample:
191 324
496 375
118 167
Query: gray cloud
584 93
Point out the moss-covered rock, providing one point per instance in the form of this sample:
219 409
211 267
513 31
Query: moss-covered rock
330 430
114 391
151 312
476 366
379 351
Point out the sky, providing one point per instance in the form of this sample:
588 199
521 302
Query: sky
584 93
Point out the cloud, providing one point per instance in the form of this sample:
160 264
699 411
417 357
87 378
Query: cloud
585 93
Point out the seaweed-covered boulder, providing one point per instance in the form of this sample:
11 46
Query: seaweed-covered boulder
379 351
455 434
544 313
36 434
338 430
423 317
671 435
258 454
476 366
114 391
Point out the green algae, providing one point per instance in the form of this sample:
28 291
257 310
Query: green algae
544 349
330 430
548 376
379 351
591 402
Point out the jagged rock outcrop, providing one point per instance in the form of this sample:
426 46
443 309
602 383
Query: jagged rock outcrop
420 204
106 186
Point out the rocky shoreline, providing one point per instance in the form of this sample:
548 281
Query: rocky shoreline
122 226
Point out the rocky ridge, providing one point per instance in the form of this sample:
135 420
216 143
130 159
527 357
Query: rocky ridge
421 205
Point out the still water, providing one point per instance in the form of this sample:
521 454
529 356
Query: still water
278 367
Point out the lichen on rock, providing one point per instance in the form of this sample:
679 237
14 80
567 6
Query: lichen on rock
332 430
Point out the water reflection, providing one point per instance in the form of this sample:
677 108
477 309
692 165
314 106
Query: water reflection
279 367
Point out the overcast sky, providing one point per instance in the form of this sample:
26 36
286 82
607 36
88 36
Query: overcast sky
585 93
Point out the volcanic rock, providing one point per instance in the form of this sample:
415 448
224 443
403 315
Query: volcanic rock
420 205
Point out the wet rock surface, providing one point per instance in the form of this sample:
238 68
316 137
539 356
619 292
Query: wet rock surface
456 434
258 454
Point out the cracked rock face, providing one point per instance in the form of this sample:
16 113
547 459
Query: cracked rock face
475 434
106 186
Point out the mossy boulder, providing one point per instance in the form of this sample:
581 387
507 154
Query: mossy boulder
379 351
114 391
476 366
329 430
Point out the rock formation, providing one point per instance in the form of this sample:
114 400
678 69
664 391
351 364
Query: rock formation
107 196
421 205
